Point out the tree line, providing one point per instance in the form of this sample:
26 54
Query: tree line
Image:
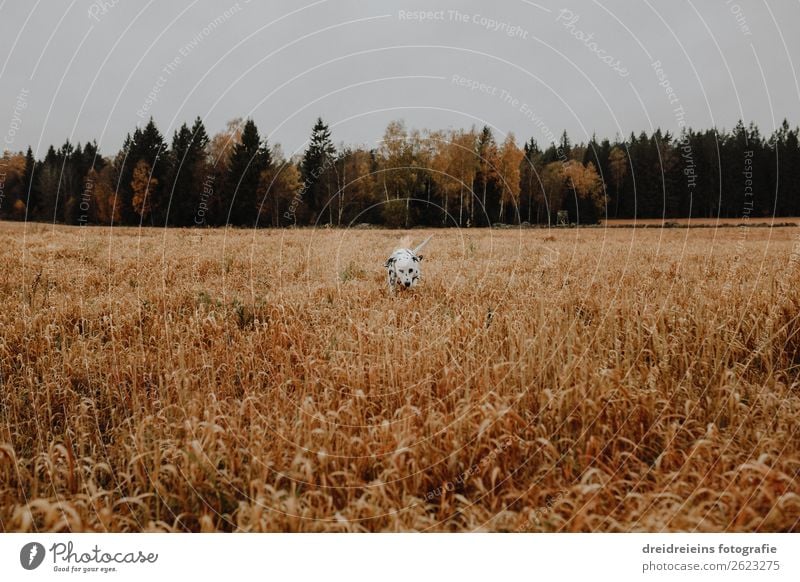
413 177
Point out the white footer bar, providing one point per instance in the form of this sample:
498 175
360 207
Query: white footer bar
401 557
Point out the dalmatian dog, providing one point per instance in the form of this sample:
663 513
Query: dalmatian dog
403 267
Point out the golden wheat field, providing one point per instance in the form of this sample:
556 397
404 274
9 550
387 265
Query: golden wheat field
537 380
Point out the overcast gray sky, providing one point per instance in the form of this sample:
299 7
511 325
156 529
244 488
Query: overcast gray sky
92 70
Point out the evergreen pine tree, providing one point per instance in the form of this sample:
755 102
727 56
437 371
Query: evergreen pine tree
486 178
248 160
179 185
314 167
530 181
145 145
31 192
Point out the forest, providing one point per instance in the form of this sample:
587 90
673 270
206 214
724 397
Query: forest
453 177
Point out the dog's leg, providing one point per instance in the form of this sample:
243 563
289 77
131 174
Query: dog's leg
390 274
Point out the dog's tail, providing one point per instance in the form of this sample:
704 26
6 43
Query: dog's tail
422 244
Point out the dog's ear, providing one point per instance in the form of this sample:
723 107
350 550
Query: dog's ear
418 258
389 262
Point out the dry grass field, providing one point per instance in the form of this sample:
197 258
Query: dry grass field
779 221
570 380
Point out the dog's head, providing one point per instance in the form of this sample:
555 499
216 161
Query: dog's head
405 267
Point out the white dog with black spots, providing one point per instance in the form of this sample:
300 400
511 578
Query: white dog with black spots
403 267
